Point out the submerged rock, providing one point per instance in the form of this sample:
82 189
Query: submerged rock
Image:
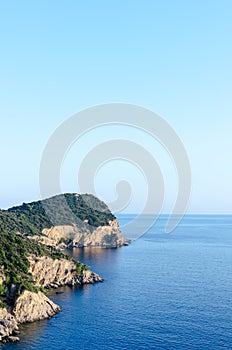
13 339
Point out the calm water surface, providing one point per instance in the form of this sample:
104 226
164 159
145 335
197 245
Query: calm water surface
162 292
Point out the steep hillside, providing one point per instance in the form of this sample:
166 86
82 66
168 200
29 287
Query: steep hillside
32 218
31 237
65 220
15 251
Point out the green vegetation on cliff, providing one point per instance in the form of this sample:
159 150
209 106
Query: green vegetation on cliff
14 264
30 219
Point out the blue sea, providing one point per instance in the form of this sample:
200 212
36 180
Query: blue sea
164 291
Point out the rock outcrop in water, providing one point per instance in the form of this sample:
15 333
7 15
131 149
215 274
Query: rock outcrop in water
50 273
8 324
30 307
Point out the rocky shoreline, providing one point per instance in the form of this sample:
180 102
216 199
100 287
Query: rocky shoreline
70 236
30 259
31 306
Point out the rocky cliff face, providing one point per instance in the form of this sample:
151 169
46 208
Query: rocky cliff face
66 220
107 236
69 220
56 273
30 306
8 324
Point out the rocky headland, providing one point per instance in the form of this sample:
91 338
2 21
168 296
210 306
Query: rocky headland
31 262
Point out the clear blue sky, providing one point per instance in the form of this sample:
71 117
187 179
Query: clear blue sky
174 57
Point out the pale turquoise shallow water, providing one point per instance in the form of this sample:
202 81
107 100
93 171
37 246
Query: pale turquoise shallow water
162 292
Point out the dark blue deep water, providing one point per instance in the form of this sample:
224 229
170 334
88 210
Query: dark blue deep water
161 292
